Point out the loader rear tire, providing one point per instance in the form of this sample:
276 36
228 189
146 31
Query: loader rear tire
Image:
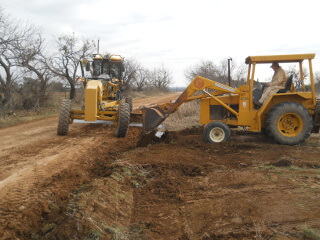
216 132
129 101
289 123
64 117
123 120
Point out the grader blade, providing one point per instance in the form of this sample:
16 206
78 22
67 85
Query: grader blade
151 118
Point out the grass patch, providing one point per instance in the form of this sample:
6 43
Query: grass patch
94 235
21 116
80 189
311 234
271 168
186 116
134 231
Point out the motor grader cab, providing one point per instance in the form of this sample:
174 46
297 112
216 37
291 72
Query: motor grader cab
104 99
288 117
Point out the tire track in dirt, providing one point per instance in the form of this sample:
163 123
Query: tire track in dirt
39 168
22 191
183 188
27 198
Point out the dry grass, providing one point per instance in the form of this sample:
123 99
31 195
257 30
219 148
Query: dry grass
312 234
16 117
13 117
187 116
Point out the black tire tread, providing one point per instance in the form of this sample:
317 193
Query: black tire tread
129 101
123 121
272 121
64 117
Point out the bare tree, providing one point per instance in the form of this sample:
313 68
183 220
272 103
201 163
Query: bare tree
12 32
160 78
141 79
65 63
30 55
238 74
131 67
296 75
207 69
217 72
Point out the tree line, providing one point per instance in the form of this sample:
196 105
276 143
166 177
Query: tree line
218 72
32 67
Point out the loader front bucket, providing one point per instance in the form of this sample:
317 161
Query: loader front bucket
151 118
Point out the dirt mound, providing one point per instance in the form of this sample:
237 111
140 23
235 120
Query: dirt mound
183 188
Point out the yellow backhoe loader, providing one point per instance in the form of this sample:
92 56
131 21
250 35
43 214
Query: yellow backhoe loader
288 116
104 98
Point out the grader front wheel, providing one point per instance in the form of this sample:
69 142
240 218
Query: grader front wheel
64 117
123 120
289 123
129 101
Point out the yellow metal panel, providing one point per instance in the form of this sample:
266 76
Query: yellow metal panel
106 118
227 99
107 104
204 111
200 83
93 94
248 118
244 103
279 58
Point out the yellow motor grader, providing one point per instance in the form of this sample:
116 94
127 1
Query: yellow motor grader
288 116
104 98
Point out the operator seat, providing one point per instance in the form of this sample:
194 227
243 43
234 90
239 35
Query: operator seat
287 86
257 93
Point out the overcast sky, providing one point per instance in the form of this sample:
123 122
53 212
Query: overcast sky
178 34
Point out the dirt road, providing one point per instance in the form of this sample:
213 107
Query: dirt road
32 155
90 185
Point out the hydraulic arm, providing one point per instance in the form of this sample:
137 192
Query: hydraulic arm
154 116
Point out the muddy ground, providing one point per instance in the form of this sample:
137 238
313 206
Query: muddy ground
90 185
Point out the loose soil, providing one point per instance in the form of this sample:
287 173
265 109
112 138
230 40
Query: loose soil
91 185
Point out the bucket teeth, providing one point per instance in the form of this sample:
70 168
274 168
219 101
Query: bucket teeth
151 118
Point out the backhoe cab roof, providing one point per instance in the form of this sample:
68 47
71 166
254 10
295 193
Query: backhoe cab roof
279 58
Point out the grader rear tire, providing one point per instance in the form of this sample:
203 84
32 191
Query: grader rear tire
216 132
123 120
64 117
129 101
289 123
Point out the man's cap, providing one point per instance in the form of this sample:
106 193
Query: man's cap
275 64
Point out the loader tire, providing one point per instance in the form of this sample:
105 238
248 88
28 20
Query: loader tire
64 117
216 132
289 123
129 101
123 120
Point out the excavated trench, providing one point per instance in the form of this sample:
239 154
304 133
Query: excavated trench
178 187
